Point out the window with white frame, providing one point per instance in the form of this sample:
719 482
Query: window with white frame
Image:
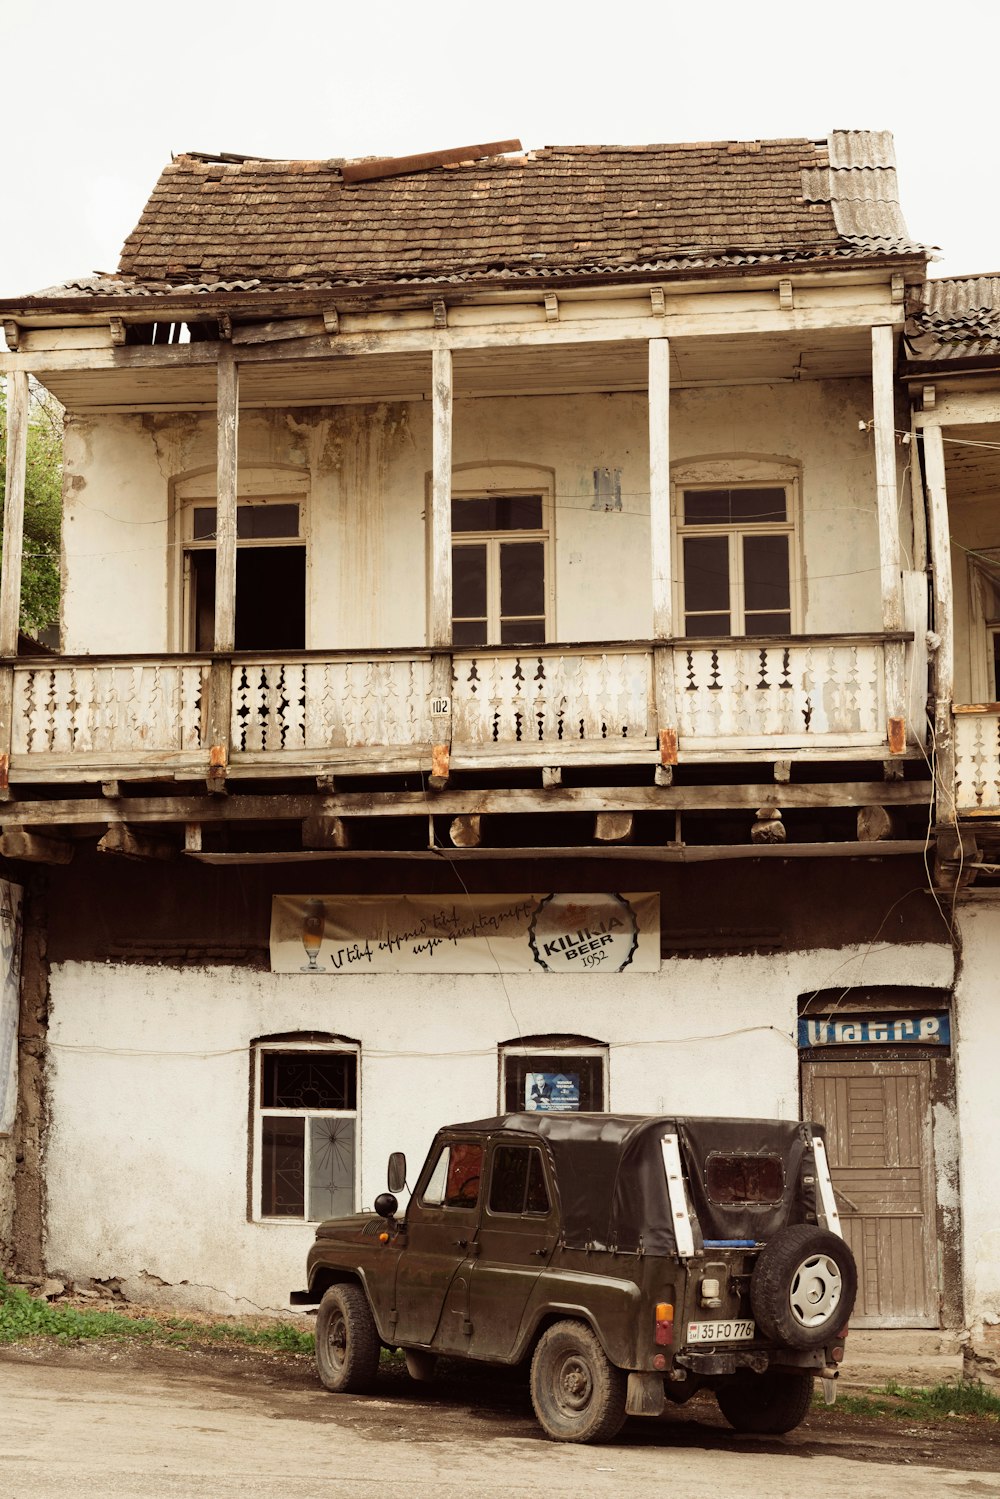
500 568
270 573
736 553
305 1131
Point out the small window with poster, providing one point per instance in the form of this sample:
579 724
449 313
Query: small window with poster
557 1081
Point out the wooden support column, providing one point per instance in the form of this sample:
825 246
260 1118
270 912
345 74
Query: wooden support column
660 548
440 604
939 540
227 414
883 427
13 549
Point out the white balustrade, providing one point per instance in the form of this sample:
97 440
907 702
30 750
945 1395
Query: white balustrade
280 707
793 694
546 698
977 759
122 709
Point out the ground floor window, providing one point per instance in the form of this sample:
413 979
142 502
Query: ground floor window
553 1076
305 1131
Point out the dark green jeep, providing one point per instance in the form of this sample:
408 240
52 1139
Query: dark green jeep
631 1260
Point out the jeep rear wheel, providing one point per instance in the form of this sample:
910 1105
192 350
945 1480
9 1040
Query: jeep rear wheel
769 1403
347 1340
577 1393
803 1286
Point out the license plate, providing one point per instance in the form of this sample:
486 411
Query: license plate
735 1330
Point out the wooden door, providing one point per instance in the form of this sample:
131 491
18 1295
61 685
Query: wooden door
878 1135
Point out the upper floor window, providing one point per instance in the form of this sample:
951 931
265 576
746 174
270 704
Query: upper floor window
500 568
270 574
736 527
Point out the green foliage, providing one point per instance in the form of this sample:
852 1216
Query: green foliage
42 509
23 1317
935 1403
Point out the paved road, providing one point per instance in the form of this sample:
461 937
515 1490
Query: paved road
69 1426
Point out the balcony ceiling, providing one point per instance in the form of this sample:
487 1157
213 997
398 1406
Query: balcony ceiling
972 462
558 370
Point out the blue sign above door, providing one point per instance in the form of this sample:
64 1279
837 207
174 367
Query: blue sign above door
871 1030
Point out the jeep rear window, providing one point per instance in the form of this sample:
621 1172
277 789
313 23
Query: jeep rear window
732 1179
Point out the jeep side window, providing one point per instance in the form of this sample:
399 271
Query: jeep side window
454 1182
518 1181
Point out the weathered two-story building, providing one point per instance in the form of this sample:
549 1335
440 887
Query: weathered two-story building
501 607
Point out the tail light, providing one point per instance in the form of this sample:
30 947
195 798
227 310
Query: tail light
664 1331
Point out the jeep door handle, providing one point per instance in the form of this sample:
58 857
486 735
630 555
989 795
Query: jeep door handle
542 1253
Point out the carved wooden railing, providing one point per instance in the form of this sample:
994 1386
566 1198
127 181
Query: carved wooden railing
977 758
107 713
504 706
318 709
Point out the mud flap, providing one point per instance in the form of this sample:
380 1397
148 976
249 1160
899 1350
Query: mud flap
645 1394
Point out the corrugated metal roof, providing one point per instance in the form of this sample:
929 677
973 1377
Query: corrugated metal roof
959 319
853 149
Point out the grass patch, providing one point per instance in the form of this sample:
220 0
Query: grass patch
936 1403
23 1317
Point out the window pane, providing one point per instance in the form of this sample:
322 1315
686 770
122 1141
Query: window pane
706 507
497 512
701 625
472 515
522 632
522 578
745 1178
282 1167
331 1168
768 624
765 573
203 523
469 631
706 573
468 582
253 521
752 506
308 1080
464 1171
509 1179
537 1200
433 1193
520 1072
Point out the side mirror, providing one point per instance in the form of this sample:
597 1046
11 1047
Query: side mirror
397 1171
386 1205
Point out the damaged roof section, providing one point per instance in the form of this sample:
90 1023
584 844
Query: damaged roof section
574 211
959 319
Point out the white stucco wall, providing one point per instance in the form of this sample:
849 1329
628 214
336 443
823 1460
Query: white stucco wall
149 1101
365 471
977 1053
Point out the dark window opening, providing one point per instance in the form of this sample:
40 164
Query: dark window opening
740 1179
270 599
557 1082
517 1184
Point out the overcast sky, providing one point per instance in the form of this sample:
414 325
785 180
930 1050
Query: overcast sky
97 97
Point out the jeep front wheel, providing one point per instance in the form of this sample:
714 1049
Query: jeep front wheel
768 1403
347 1340
803 1286
577 1393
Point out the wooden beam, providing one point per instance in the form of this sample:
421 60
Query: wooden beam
664 854
423 161
123 840
225 501
325 832
282 806
111 789
33 848
466 832
875 824
884 421
13 512
440 517
192 838
659 486
614 827
551 776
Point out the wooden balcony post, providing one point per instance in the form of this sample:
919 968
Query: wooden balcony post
944 616
228 415
440 605
660 547
13 549
884 413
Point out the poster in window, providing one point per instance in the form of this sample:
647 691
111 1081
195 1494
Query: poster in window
551 1092
10 988
571 934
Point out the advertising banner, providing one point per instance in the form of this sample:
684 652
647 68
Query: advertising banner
335 934
10 992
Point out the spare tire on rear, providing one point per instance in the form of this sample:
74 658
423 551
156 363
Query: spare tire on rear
803 1286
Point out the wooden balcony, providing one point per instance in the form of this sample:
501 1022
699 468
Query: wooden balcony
977 759
499 708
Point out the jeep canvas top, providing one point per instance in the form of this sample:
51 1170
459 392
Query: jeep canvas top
631 1260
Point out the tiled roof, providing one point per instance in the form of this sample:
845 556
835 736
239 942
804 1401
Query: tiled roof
959 319
557 211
